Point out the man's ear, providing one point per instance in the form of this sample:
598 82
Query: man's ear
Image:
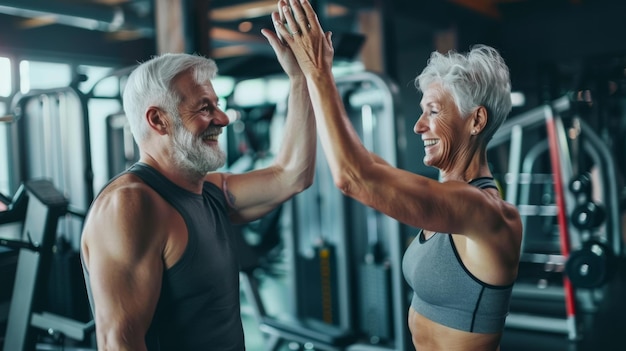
157 120
479 120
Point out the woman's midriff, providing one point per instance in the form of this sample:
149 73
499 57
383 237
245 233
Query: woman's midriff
430 336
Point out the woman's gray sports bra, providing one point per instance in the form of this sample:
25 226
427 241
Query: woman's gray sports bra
446 292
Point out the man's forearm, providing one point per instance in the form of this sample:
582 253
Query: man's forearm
298 149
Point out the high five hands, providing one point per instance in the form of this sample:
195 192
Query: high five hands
309 44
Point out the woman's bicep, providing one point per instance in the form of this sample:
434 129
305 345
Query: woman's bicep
408 197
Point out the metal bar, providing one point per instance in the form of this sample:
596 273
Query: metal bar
58 324
555 154
534 322
515 155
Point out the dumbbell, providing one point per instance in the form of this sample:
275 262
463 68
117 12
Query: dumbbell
592 266
588 215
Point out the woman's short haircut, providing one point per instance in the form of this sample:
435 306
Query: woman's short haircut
479 77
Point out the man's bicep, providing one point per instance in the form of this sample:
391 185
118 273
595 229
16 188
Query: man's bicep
253 194
125 271
122 285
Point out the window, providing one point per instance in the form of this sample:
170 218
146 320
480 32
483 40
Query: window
94 74
251 92
5 91
223 85
43 75
4 157
5 77
107 87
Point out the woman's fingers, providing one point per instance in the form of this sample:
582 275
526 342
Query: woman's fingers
299 15
309 15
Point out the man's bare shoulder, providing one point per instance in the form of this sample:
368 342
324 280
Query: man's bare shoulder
128 217
125 203
124 191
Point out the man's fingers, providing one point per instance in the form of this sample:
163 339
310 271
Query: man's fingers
276 18
279 26
271 37
280 5
279 17
291 22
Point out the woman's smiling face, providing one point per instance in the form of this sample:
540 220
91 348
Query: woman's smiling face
444 132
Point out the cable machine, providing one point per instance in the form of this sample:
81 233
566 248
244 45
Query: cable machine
346 284
570 238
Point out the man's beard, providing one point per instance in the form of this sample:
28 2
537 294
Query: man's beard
192 155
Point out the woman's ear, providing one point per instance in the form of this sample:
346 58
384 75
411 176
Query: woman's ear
479 120
157 120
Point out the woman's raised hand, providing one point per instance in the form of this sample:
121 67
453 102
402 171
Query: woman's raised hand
299 28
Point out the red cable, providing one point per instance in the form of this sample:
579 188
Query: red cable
570 305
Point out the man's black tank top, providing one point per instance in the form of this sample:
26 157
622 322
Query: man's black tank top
199 307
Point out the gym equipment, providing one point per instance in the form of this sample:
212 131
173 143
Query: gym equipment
560 222
374 271
368 246
348 292
591 266
122 150
538 300
581 185
114 150
249 148
15 207
558 148
372 103
50 138
588 216
310 332
45 206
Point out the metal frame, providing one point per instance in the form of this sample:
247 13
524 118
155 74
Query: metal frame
517 191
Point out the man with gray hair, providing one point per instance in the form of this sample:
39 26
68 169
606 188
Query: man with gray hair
158 250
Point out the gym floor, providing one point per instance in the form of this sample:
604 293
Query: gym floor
604 331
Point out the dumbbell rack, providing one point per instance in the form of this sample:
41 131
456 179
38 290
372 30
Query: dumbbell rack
543 298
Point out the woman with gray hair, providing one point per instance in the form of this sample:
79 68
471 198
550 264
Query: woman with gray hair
464 260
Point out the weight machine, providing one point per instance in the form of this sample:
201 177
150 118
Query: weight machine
339 247
569 238
40 206
49 139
